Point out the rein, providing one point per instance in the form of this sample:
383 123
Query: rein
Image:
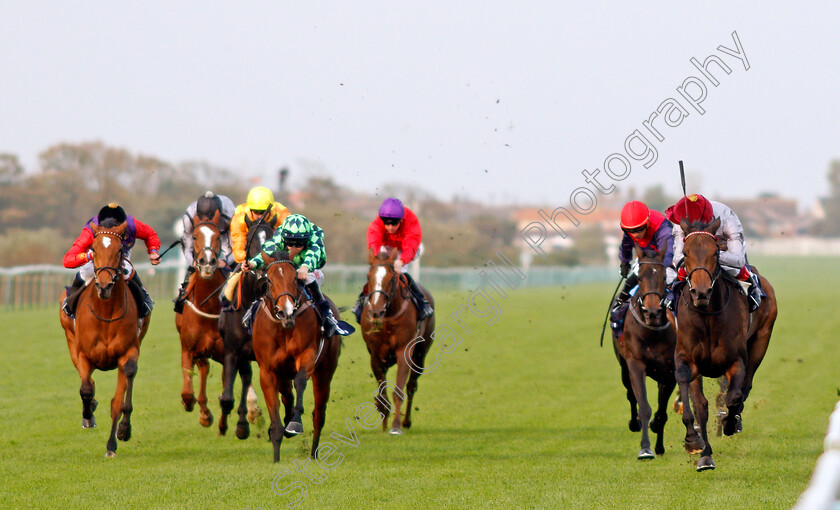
712 276
299 307
389 295
125 308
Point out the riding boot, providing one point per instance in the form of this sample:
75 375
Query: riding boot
620 305
424 309
182 292
755 294
329 323
73 292
360 305
144 300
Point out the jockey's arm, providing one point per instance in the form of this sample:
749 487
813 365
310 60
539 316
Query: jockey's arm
735 255
187 238
150 237
79 253
679 242
238 237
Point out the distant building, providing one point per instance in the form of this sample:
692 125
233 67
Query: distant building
768 217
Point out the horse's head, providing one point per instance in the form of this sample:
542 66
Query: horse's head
701 259
207 245
258 234
281 289
382 282
651 291
107 255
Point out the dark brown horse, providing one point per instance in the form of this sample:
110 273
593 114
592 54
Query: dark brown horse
239 349
289 346
389 324
646 349
198 325
106 334
716 336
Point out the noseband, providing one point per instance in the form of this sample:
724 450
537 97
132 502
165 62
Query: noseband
712 276
115 271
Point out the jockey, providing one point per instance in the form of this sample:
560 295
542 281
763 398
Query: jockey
260 206
203 209
650 231
305 243
397 227
81 255
730 235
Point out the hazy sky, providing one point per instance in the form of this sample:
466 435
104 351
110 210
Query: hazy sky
501 101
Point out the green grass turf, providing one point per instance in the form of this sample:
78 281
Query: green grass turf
528 412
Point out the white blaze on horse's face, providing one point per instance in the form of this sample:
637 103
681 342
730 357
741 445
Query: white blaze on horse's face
208 236
288 305
379 276
106 241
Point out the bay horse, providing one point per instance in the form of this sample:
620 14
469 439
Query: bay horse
198 325
389 326
289 345
106 334
646 349
239 348
716 336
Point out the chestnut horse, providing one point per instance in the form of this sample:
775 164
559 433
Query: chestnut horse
198 325
716 336
646 349
105 334
288 345
389 326
239 349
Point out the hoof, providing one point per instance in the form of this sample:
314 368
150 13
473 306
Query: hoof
294 428
646 454
395 432
207 420
732 427
189 404
243 432
89 424
406 424
634 425
110 454
660 450
124 431
694 446
705 463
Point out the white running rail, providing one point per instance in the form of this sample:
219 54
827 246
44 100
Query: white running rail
823 493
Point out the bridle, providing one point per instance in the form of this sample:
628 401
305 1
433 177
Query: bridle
115 271
390 294
640 299
271 301
207 249
713 276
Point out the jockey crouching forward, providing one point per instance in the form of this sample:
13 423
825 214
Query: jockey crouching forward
204 209
730 235
80 255
649 230
397 227
305 243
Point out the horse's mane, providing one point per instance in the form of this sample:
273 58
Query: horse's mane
281 255
698 225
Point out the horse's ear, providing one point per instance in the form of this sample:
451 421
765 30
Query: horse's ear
684 225
261 287
713 226
267 259
371 256
639 251
662 248
392 256
216 217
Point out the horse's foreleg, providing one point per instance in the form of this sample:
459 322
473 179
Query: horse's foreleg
243 430
693 442
399 396
637 380
87 391
634 424
701 408
116 411
270 386
187 393
226 398
734 397
205 417
295 427
381 400
661 417
129 367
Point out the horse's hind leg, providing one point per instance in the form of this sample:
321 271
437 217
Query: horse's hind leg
243 430
226 398
205 417
321 395
657 425
124 429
